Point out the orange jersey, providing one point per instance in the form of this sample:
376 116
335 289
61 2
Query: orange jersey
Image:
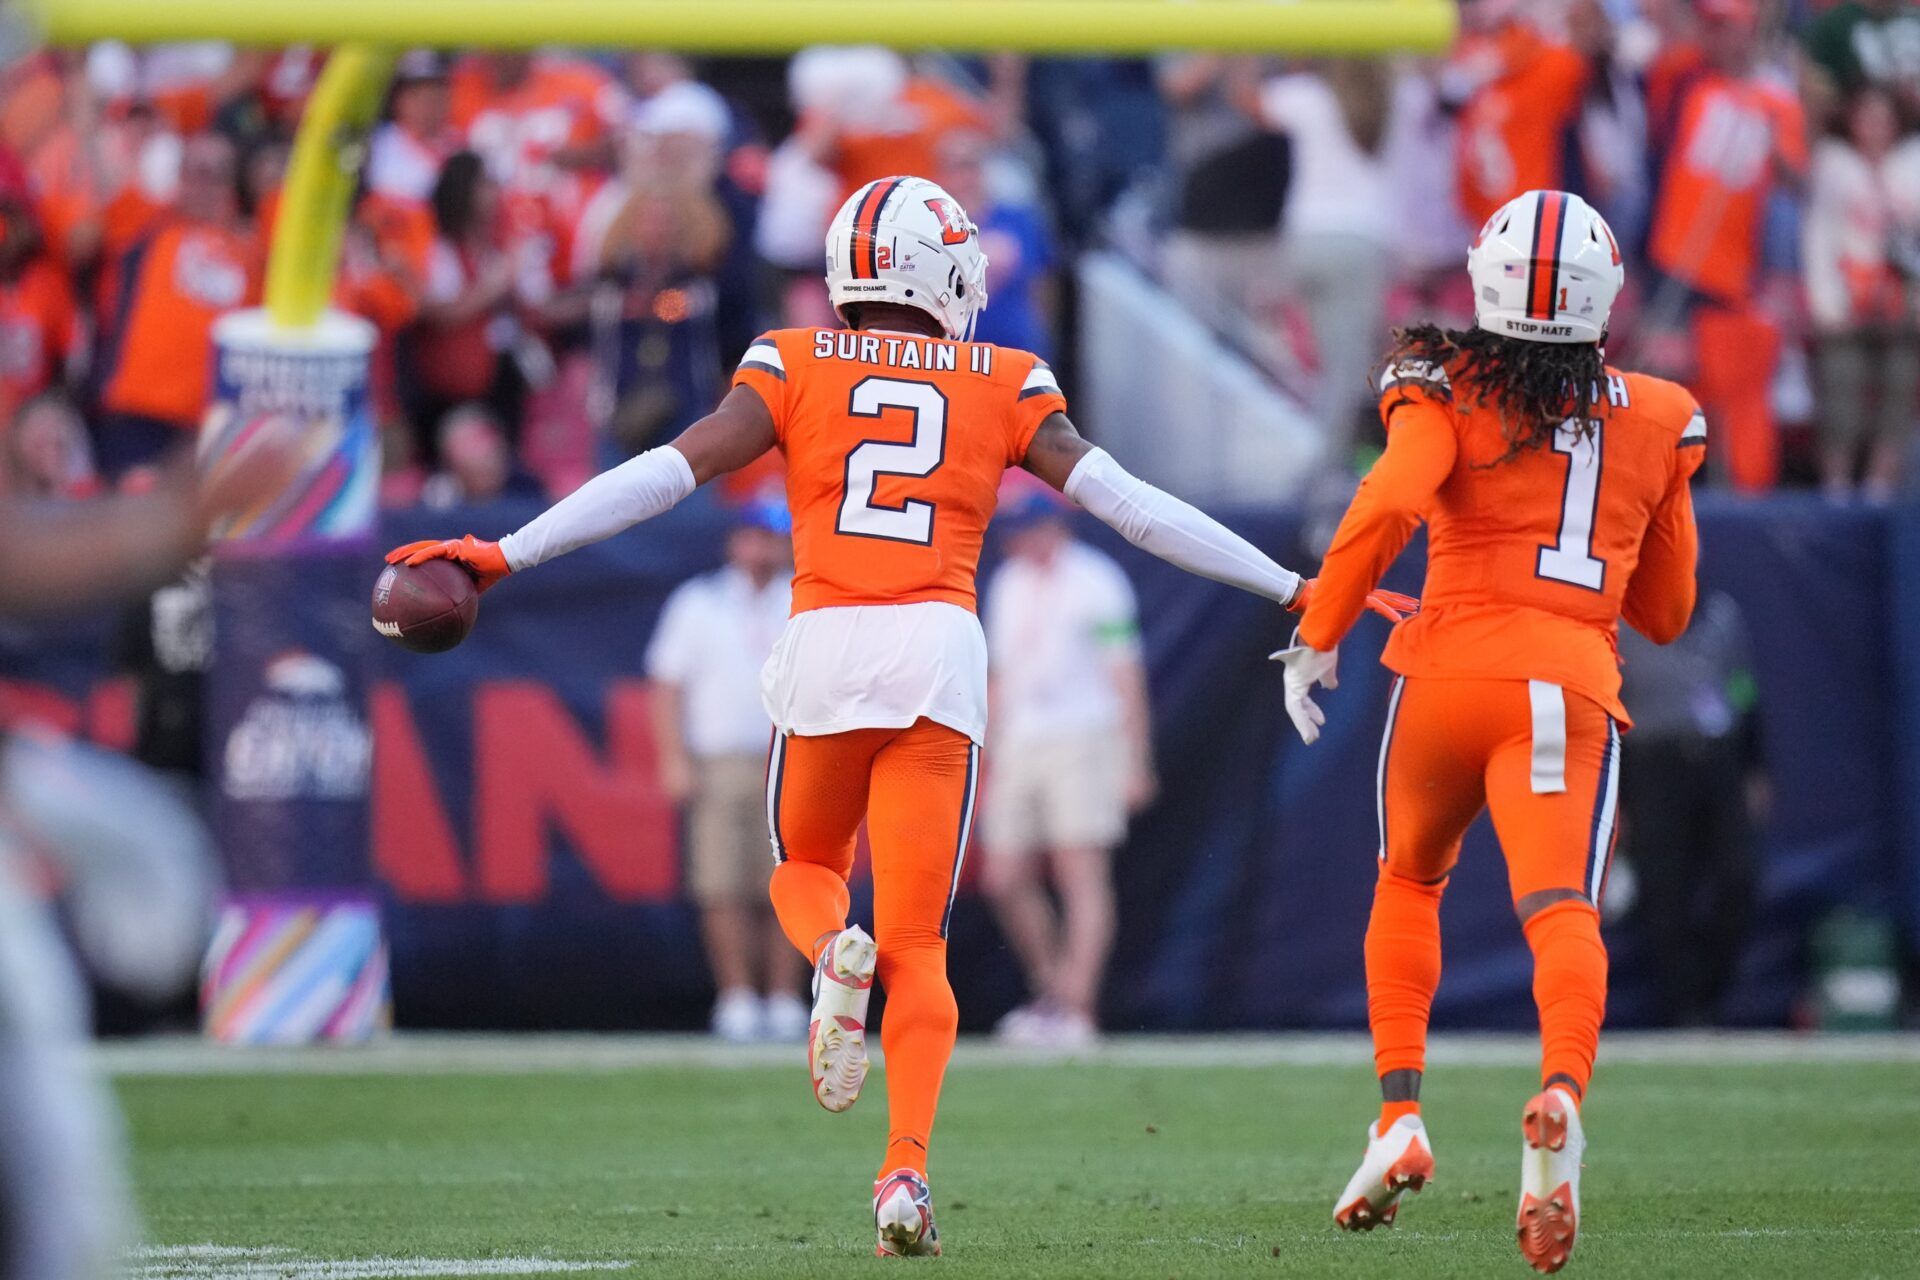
1512 130
925 115
1532 559
172 287
1730 136
562 103
39 329
895 445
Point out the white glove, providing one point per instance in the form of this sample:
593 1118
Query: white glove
1306 667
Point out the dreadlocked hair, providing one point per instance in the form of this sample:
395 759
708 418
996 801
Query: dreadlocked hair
1535 387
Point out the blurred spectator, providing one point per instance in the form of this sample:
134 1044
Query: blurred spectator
1337 226
157 359
547 126
1072 759
1101 125
1609 160
1517 90
476 462
46 451
863 114
739 184
460 349
192 83
166 644
867 115
107 166
1859 43
1229 177
1691 787
537 119
1727 132
1018 245
404 158
1861 250
39 320
705 659
653 240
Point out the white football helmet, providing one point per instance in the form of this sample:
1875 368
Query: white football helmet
906 240
1545 268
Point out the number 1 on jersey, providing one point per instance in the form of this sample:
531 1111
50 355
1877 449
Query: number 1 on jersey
1570 559
912 520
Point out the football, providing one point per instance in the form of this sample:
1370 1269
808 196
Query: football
428 608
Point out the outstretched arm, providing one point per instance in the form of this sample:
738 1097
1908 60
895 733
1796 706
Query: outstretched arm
1160 523
1151 519
1421 448
730 437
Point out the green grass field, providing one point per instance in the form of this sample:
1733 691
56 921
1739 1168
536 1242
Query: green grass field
1723 1164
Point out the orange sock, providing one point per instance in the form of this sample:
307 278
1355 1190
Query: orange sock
917 1032
1570 988
1403 969
1392 1111
810 902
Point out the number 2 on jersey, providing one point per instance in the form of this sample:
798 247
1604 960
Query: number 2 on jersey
1570 559
912 520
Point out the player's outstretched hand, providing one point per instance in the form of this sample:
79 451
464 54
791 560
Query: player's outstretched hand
1306 667
1390 605
484 560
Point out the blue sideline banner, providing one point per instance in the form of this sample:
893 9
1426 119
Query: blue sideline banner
532 865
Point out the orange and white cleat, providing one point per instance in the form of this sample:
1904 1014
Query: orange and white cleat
1397 1161
1549 1216
837 1028
903 1217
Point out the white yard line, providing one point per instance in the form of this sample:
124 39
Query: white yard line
219 1262
426 1053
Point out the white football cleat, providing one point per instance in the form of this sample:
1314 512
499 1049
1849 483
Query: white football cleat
1397 1161
1549 1216
903 1217
837 1030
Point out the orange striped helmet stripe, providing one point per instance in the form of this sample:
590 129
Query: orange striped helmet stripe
1543 272
863 245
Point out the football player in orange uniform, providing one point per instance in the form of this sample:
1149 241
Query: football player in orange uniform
896 432
1556 498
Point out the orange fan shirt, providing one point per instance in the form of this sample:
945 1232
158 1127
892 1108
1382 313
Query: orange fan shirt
1512 130
1730 136
562 103
1533 558
925 115
39 329
895 445
172 287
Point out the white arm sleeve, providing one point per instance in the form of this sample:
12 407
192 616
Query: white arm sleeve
1181 535
638 489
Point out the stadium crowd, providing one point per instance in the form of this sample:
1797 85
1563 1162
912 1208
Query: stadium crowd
564 253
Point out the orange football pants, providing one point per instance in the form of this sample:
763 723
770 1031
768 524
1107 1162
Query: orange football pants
915 788
1735 354
1547 763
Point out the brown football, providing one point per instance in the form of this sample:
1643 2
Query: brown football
428 607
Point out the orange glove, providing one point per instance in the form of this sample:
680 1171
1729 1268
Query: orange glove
484 560
1390 605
